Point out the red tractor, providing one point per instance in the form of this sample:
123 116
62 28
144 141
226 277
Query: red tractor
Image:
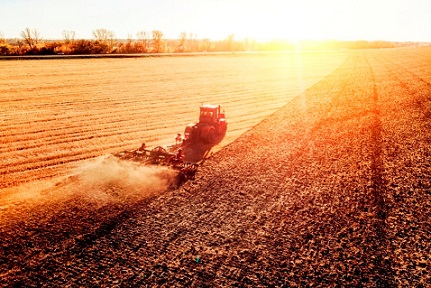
211 127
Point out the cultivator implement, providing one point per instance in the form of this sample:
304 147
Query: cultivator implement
171 157
198 140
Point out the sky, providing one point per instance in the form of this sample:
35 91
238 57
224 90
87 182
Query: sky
390 20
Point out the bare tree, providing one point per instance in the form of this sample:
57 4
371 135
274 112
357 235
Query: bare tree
157 40
143 38
31 37
101 35
183 37
229 42
105 36
127 47
111 41
192 38
69 37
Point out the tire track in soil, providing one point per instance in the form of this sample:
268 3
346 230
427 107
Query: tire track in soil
383 246
380 245
409 181
418 100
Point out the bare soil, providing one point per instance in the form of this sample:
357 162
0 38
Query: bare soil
333 189
56 113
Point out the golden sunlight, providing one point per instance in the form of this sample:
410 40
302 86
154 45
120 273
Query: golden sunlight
290 20
312 20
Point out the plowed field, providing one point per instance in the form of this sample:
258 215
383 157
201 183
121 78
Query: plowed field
54 113
331 188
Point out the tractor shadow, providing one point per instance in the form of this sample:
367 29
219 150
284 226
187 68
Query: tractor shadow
197 152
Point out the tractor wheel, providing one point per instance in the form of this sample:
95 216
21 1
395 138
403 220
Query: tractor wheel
223 128
210 137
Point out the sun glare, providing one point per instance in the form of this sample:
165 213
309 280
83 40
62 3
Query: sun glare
312 20
291 21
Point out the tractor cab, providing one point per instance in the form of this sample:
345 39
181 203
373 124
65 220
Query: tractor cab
209 114
212 124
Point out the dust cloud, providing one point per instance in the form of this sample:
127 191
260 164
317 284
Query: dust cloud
110 179
94 184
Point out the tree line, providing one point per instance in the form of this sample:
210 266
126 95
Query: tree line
105 42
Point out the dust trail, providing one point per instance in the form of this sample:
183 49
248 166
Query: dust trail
95 183
108 179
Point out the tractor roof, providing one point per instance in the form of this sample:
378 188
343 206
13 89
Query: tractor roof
209 106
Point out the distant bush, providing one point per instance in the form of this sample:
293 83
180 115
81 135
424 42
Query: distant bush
100 48
82 47
5 49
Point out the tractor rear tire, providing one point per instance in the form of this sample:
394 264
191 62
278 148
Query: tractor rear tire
210 139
